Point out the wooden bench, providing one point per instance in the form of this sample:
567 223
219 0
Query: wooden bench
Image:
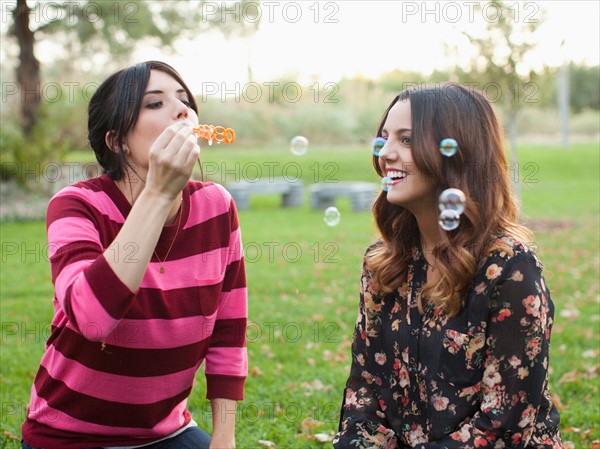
362 194
292 193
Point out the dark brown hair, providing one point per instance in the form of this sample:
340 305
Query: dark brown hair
115 107
479 169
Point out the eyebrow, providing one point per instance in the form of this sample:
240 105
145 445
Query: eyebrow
161 92
399 131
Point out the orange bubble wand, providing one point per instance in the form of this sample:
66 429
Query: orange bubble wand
212 134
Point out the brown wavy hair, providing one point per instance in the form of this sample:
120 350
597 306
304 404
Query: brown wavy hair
479 169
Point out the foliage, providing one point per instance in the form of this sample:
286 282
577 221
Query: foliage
502 50
338 113
86 30
60 130
585 121
358 109
584 87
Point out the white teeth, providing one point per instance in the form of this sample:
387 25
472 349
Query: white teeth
396 174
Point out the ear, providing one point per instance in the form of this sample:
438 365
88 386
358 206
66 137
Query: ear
112 141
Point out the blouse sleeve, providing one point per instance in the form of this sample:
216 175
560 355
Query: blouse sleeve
514 384
361 417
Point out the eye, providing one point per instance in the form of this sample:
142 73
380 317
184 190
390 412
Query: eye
186 102
405 140
154 105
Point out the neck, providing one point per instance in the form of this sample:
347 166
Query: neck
131 187
430 233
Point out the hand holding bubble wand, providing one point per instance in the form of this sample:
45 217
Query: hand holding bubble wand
212 133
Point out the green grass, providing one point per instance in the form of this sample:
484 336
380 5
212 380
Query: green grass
303 293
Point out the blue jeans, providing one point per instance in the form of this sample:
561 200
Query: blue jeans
192 438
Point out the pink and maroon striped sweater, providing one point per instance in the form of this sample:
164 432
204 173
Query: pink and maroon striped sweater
119 365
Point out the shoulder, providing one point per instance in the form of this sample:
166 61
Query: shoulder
510 285
511 268
379 246
96 199
94 193
373 250
91 199
508 253
91 185
374 247
208 187
208 192
208 201
377 257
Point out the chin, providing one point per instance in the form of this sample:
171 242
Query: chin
396 200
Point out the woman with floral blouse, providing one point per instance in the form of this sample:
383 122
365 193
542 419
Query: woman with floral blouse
451 343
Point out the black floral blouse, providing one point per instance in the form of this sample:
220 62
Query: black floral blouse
476 380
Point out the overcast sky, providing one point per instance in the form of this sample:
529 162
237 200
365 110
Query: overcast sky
325 41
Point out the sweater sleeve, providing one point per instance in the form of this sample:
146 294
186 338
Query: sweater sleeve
361 417
227 357
514 385
91 295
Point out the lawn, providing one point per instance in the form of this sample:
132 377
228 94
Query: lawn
303 292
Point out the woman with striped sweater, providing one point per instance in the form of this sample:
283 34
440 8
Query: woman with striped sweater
149 283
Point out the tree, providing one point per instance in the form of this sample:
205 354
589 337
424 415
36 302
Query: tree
88 27
585 87
28 71
500 66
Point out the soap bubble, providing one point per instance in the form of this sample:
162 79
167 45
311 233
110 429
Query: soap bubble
299 145
453 199
386 183
449 219
448 147
378 144
332 216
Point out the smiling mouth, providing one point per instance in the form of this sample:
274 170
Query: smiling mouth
396 176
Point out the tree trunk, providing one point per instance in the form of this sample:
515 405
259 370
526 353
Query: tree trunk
28 71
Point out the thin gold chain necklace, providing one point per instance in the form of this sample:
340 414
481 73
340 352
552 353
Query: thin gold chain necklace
162 263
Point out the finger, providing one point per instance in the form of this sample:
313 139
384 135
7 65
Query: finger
178 156
193 156
167 135
190 161
169 153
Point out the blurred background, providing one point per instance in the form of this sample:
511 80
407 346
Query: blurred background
323 69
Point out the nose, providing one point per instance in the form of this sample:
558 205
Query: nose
386 152
181 110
